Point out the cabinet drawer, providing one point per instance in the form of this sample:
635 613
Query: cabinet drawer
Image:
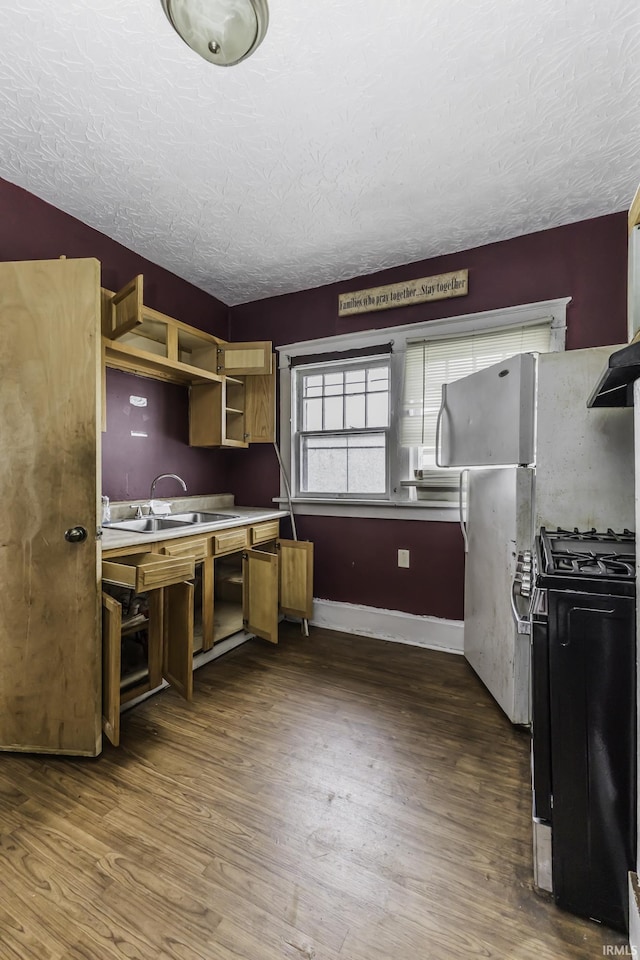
197 549
229 540
261 532
147 571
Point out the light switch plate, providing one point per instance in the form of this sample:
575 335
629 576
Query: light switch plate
403 558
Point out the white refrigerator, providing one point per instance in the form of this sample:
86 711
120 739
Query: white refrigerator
534 455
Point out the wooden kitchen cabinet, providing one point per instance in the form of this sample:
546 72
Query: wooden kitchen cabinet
234 413
249 359
120 684
254 585
260 406
248 578
177 660
164 637
198 549
232 385
147 571
239 579
277 578
141 340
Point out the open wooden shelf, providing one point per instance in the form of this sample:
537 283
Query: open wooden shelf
134 679
233 578
135 624
122 356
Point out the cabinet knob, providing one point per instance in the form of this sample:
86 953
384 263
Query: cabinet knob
75 534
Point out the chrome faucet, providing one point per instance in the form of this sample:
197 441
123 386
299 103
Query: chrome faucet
163 476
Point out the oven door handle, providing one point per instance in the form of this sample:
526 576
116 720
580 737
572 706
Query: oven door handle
522 623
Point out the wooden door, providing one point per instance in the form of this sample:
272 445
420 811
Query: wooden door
178 638
260 594
111 660
49 408
236 359
296 577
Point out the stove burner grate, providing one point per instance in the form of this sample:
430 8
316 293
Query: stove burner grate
588 553
591 564
593 535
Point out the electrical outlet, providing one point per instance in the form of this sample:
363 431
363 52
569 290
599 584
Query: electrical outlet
403 558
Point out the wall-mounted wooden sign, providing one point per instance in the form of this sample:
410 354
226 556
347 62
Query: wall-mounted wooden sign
441 287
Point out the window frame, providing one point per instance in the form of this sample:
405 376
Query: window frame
297 436
399 505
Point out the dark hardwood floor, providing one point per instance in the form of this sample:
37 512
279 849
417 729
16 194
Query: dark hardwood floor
334 797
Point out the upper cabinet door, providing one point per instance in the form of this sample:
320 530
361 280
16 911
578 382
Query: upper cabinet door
296 577
238 359
124 309
260 594
260 407
49 554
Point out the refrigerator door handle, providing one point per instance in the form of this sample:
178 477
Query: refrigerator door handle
439 424
463 522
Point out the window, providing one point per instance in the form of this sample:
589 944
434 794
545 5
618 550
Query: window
358 411
343 419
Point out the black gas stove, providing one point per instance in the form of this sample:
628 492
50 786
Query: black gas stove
583 690
590 560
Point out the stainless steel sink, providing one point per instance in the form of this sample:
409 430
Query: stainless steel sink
202 517
149 524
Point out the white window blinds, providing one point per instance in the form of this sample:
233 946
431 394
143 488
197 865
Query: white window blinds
430 363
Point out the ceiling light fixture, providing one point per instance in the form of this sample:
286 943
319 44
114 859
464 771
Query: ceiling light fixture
222 31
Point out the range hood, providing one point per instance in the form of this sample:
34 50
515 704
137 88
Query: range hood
615 386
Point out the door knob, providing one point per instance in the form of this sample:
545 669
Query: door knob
75 534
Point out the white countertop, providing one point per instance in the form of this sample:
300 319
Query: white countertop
219 503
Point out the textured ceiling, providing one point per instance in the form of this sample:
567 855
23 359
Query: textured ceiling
360 135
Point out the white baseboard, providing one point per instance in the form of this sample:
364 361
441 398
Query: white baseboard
429 632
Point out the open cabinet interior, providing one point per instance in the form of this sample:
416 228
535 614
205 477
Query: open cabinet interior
140 639
228 589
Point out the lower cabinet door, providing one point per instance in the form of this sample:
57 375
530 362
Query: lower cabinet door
111 642
206 602
131 651
178 638
260 594
296 577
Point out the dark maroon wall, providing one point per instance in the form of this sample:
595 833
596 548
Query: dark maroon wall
356 559
31 229
131 462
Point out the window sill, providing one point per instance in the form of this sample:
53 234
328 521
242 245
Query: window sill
438 510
